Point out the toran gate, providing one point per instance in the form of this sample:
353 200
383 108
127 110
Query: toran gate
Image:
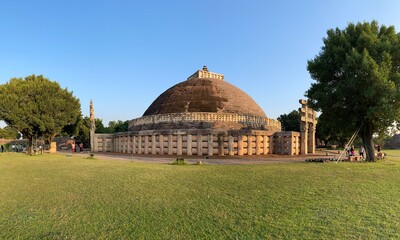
308 123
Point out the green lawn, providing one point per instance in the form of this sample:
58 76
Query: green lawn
60 197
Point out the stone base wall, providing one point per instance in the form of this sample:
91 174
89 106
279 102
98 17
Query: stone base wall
287 143
199 142
103 143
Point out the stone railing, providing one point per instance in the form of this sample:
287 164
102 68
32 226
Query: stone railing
203 117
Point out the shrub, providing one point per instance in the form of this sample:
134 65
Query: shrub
179 161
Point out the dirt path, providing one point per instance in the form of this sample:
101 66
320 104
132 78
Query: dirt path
215 160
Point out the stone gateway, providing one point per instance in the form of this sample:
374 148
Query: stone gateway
204 115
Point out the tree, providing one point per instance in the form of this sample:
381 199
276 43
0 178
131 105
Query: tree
100 126
9 133
37 107
357 76
118 126
84 131
291 121
327 133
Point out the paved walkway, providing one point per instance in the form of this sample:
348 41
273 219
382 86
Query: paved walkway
214 159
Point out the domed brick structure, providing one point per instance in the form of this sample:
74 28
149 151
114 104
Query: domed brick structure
204 101
204 115
204 95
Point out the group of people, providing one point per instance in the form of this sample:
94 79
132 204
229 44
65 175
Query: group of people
74 147
351 152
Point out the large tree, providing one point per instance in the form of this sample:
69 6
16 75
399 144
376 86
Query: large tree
357 76
37 107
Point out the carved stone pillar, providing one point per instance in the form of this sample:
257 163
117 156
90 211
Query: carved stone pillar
104 144
146 144
189 145
140 144
271 144
249 147
210 145
199 145
220 145
133 144
179 145
304 139
258 144
311 138
265 145
161 140
231 151
170 146
153 144
240 145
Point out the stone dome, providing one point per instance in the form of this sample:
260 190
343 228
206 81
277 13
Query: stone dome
204 102
211 95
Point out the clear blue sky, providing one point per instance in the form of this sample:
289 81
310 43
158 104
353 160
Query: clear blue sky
123 54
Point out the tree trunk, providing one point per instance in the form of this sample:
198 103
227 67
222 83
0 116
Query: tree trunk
52 147
366 136
30 145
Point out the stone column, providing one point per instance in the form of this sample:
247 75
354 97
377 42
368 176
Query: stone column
153 144
104 144
94 143
240 145
128 144
133 144
231 151
311 138
146 144
271 143
123 141
220 145
170 146
179 145
304 139
161 140
140 144
265 145
210 145
249 147
258 144
199 145
189 145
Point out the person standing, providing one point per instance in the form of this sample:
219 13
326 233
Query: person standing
361 151
81 147
73 147
2 148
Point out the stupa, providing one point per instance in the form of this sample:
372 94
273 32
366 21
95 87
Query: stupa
203 115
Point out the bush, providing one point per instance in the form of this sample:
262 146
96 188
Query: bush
179 161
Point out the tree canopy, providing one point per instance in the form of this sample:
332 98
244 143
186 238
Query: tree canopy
37 107
357 76
9 133
291 121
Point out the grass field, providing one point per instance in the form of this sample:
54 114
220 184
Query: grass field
59 197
